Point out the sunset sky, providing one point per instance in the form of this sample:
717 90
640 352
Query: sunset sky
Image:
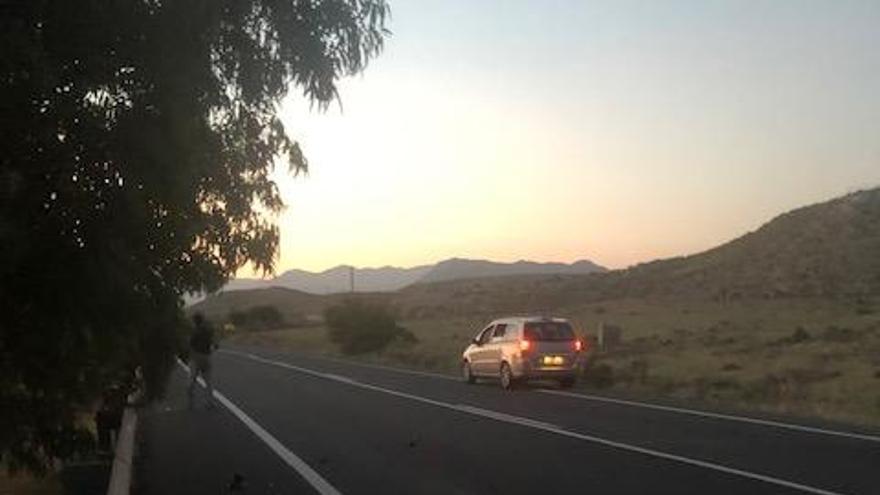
559 130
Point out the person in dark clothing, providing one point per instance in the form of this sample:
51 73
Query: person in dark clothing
201 345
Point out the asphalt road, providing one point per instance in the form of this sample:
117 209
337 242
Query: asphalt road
297 424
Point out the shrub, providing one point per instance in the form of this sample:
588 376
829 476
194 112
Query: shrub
838 334
257 318
406 337
864 310
599 376
799 335
358 327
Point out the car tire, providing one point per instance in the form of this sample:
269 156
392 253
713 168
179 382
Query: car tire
466 374
567 382
508 382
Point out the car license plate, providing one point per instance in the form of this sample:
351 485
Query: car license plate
553 361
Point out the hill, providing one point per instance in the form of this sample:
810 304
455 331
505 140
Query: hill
826 250
463 269
830 249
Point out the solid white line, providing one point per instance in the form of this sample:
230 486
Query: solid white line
530 423
310 475
340 378
488 413
728 417
426 374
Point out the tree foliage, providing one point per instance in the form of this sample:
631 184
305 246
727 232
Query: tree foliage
138 141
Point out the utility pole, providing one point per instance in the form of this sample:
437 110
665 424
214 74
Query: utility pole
351 279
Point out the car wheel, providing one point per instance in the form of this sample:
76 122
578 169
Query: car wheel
466 374
567 382
507 380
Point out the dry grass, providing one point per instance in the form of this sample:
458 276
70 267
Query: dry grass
748 355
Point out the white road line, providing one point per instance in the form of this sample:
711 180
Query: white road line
646 405
321 485
488 413
340 378
530 423
347 362
706 414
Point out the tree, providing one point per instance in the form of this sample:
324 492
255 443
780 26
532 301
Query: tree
138 141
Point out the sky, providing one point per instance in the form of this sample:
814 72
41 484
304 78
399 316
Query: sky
615 131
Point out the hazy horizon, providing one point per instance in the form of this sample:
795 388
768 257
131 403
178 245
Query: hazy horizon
618 132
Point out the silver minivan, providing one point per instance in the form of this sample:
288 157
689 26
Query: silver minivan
522 348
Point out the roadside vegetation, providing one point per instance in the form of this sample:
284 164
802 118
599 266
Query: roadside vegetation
805 357
264 317
357 327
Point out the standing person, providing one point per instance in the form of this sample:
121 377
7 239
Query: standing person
201 345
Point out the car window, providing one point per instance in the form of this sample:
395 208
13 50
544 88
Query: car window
486 334
500 330
548 331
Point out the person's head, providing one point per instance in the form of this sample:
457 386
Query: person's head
198 319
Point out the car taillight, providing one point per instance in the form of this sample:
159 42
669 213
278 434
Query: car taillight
578 346
524 345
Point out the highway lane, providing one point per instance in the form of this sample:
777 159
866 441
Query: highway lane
831 462
373 430
364 440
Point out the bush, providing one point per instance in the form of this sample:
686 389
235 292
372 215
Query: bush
358 327
599 376
837 334
257 318
800 335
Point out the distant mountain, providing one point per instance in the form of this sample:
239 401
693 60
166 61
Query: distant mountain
337 279
461 269
390 279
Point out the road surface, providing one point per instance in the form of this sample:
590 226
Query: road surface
296 424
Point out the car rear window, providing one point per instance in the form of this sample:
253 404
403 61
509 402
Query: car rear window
548 331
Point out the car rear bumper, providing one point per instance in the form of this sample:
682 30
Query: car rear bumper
549 374
528 371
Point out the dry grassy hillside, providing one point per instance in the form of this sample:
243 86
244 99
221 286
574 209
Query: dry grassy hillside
827 249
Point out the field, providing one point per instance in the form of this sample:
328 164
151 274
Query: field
805 357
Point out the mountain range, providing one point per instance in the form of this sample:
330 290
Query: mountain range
389 278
